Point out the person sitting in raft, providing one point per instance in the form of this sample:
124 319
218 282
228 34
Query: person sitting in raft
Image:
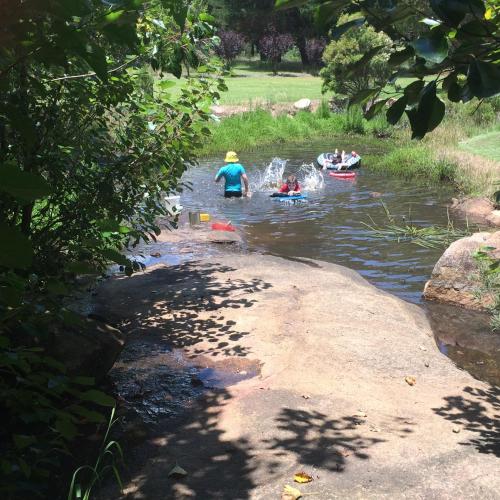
233 174
291 187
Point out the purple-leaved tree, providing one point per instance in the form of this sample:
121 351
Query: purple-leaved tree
274 45
231 44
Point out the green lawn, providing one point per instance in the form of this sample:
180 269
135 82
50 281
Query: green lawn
487 145
252 87
253 82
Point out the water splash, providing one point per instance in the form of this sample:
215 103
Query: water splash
272 177
310 178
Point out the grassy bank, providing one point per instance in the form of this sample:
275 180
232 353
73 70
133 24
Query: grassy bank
254 129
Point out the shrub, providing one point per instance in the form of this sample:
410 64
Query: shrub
342 53
274 45
231 44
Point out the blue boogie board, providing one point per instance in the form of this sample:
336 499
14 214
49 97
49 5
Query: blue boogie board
294 198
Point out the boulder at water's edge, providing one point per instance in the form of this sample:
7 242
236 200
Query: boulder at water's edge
454 279
89 348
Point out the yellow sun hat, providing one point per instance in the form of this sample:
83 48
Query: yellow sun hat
231 157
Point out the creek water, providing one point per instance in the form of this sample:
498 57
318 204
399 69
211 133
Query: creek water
333 226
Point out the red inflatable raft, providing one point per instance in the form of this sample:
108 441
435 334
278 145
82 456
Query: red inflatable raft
343 175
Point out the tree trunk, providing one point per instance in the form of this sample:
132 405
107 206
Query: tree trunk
300 41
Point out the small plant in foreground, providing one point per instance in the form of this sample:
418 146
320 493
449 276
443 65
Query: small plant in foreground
85 478
489 277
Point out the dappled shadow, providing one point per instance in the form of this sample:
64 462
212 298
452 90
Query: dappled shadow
479 412
182 306
216 467
319 440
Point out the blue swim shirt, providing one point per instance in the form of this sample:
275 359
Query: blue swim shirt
232 173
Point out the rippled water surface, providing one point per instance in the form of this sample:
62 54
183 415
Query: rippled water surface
331 225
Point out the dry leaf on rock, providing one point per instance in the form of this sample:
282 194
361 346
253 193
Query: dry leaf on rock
411 380
343 453
177 472
302 477
291 493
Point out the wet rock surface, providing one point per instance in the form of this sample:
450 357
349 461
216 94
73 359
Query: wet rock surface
455 279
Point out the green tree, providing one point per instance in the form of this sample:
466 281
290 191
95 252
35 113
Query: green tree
87 154
344 53
457 53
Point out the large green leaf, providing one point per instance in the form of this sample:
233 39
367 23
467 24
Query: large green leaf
484 78
454 11
16 250
433 48
412 91
428 114
395 112
24 186
328 12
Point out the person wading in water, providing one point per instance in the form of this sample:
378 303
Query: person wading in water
233 173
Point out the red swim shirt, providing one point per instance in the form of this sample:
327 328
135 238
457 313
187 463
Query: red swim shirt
285 188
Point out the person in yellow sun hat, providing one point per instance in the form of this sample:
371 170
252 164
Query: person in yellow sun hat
233 173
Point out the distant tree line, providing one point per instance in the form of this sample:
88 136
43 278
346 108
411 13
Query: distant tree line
256 24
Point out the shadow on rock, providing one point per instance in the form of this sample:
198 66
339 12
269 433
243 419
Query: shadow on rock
479 413
321 441
181 305
216 467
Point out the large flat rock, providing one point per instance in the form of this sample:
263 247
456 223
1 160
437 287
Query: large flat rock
331 398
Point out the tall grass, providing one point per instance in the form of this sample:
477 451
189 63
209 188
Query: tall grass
415 161
254 129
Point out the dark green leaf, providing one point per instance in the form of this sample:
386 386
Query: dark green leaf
399 57
455 92
453 11
96 59
483 78
395 112
363 96
16 250
428 114
433 48
412 91
97 397
22 185
22 441
115 256
375 109
343 28
287 4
